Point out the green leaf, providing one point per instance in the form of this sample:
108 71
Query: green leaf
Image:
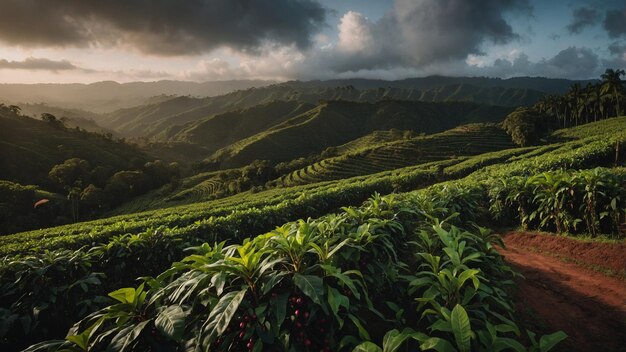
367 347
279 309
271 282
80 340
124 295
505 343
310 285
336 300
125 337
547 342
437 344
363 334
171 322
221 315
461 328
394 339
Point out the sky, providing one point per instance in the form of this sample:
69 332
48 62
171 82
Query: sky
66 41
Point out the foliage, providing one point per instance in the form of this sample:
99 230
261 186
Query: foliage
591 103
147 252
309 285
18 208
527 126
587 201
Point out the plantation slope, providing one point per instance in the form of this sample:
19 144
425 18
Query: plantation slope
336 123
29 148
588 306
462 141
270 207
373 139
141 120
224 129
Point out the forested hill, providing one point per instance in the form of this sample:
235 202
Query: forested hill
30 148
338 122
152 120
541 84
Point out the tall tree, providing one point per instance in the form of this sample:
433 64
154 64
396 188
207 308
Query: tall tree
612 83
575 101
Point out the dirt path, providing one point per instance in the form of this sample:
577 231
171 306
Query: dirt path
590 307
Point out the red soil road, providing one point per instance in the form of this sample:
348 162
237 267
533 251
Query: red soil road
589 306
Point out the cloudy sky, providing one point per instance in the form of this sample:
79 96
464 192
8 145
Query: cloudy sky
200 40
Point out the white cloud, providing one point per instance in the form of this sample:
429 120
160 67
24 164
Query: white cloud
355 34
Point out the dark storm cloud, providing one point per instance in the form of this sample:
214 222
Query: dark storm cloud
165 27
583 17
573 62
32 63
418 33
617 48
615 23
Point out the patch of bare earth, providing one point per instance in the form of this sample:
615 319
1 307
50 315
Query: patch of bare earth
587 305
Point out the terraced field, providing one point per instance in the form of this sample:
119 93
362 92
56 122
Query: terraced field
112 253
374 138
466 140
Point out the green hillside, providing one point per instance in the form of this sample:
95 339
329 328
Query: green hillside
373 139
30 148
462 141
337 122
120 249
161 119
142 120
221 130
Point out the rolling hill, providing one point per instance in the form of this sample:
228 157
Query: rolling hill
338 122
103 97
30 148
361 159
158 120
221 130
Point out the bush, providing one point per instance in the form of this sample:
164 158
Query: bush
527 126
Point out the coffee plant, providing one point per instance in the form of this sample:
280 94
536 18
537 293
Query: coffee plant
325 285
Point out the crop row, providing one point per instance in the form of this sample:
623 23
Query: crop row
478 139
337 283
80 276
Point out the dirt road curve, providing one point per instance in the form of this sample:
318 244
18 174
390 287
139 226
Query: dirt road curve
590 307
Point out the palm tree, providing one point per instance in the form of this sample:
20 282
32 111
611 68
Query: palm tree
598 104
612 83
588 100
575 101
